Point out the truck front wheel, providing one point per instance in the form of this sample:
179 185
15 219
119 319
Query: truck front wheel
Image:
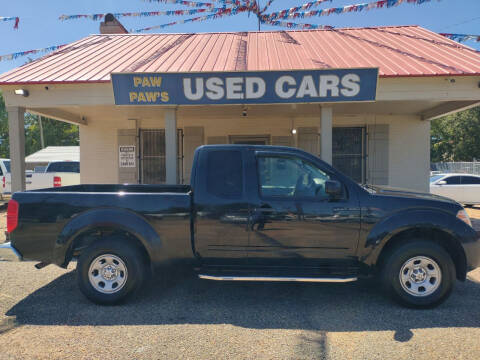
419 273
110 270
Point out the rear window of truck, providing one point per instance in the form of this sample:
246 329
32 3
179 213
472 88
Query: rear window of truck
66 166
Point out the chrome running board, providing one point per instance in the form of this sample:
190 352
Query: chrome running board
277 278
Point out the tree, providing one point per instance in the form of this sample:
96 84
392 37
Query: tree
456 137
4 143
56 133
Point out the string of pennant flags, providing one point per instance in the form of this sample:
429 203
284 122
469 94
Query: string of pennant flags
199 4
275 18
16 55
292 25
461 37
251 6
216 15
222 8
11 18
196 3
139 14
296 12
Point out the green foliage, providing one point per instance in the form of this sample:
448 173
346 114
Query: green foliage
4 144
56 133
456 137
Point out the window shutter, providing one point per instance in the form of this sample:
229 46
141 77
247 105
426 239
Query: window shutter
378 147
308 140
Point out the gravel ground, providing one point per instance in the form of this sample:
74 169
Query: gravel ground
3 224
44 316
184 317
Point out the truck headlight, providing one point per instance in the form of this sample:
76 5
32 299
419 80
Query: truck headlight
462 215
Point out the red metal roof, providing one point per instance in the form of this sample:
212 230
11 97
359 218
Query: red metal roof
399 51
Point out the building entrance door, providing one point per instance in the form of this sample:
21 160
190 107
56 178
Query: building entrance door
250 139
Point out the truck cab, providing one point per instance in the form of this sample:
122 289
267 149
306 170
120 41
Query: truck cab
273 206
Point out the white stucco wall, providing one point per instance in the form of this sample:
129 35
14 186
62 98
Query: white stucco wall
409 153
98 152
408 143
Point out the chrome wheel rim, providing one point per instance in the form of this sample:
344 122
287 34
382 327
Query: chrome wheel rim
420 276
107 274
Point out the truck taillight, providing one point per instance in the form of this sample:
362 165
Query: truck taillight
4 181
57 181
12 215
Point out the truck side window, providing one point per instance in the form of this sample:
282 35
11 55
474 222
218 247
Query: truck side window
225 174
290 177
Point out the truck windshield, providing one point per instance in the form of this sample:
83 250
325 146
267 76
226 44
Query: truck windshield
64 166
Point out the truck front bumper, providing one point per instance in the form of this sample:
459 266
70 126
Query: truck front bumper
9 253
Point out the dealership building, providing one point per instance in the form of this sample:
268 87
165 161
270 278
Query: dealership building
360 98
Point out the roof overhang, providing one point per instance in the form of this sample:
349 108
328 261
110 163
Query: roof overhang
425 97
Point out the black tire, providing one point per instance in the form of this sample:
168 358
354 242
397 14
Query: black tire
133 260
418 248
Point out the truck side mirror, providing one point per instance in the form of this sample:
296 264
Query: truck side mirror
442 182
333 188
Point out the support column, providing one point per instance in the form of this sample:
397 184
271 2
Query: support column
16 132
326 120
171 156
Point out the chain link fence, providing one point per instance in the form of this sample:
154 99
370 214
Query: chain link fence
457 167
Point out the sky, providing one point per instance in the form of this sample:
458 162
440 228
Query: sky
39 25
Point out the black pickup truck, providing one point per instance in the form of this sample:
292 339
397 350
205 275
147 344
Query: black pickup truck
251 213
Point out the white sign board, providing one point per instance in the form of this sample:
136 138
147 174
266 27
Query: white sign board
127 156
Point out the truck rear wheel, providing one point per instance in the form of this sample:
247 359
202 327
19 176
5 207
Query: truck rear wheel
419 274
109 271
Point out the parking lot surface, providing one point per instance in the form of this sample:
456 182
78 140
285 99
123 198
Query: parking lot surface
44 316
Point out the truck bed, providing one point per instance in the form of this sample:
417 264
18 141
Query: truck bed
52 218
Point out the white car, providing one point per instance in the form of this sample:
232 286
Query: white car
463 188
